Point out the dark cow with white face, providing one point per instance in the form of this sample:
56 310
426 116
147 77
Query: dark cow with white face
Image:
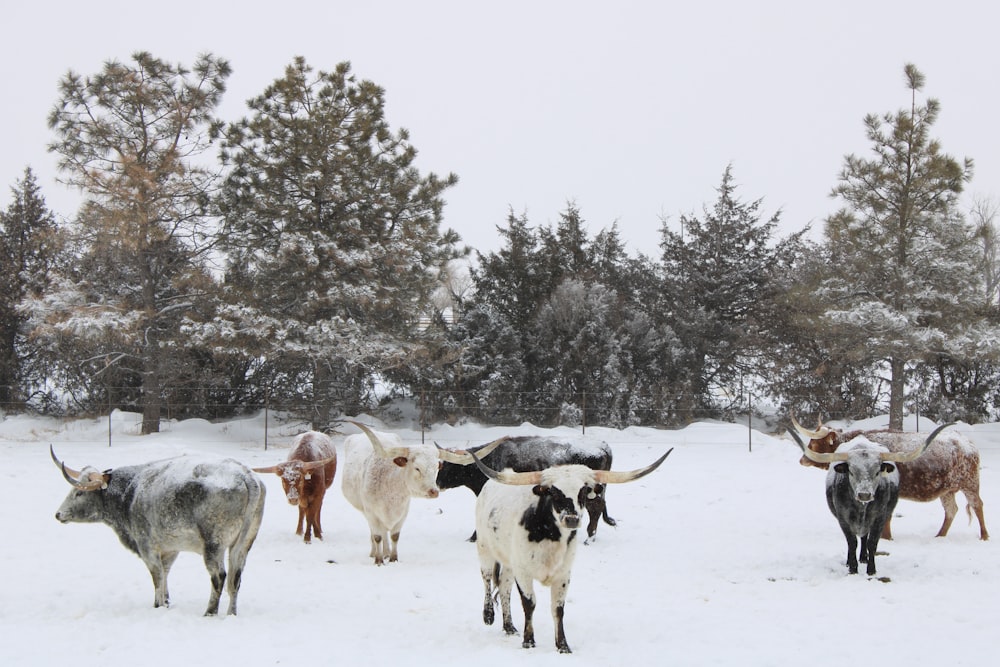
527 524
950 465
529 453
305 476
161 508
862 488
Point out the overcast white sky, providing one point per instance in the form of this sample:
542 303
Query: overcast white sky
630 109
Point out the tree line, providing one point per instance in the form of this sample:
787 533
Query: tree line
297 257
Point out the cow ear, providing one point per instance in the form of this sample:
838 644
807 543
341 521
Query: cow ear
841 468
400 461
540 490
888 467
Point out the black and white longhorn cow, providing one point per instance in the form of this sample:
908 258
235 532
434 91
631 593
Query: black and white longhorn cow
527 524
161 508
862 488
528 453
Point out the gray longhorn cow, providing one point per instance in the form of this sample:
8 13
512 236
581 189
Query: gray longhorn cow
161 508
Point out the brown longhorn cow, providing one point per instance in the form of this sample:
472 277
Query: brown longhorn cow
306 475
951 464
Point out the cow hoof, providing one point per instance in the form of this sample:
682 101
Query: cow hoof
564 649
528 643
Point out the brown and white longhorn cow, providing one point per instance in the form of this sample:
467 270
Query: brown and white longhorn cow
306 475
950 464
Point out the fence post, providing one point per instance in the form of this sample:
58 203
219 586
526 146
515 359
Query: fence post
583 417
267 406
750 422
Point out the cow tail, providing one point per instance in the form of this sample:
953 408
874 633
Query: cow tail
496 582
256 494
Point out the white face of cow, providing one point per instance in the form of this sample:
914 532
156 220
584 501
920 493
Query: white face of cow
292 480
864 468
80 505
567 488
420 468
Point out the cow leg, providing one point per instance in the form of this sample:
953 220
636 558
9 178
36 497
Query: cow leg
489 611
215 565
950 510
975 503
376 551
313 512
237 559
505 587
869 546
887 529
558 591
393 542
159 568
528 604
298 526
852 548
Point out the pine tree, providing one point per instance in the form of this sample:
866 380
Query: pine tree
900 250
332 235
132 139
28 247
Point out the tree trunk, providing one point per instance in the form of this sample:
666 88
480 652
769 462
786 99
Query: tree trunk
897 384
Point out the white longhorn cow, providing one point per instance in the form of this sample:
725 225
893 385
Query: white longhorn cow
380 476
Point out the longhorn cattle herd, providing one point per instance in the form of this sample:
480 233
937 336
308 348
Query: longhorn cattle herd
530 496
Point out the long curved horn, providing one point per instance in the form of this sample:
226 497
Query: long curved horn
906 457
463 457
274 469
379 449
95 480
508 476
820 432
75 474
832 457
615 477
312 465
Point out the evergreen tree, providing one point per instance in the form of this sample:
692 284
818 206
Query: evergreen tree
132 139
900 250
332 235
719 278
28 248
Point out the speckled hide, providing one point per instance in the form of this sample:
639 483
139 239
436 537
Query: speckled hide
950 465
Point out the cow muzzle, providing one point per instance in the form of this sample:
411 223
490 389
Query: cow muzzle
570 520
864 497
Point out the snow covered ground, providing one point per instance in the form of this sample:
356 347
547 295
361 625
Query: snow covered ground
724 556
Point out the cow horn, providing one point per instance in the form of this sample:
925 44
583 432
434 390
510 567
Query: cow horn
616 477
818 457
508 476
59 464
274 469
94 480
906 457
379 449
463 457
312 465
820 432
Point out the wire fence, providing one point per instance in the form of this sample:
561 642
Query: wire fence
580 412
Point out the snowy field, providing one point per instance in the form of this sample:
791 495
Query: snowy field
724 556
